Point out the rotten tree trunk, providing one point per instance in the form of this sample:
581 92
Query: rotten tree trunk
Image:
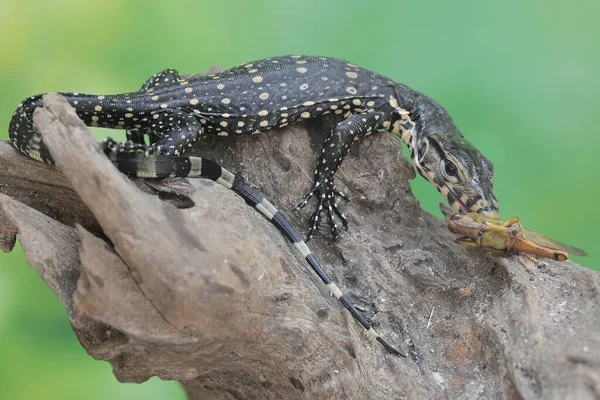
180 279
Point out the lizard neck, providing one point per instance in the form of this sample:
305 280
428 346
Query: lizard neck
403 102
431 118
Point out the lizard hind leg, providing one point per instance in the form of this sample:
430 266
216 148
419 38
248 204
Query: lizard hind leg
174 132
165 77
177 131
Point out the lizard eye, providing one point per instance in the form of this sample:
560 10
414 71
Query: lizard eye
450 168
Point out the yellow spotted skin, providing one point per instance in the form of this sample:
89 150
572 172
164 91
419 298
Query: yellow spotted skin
268 94
252 98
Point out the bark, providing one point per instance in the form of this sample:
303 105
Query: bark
182 280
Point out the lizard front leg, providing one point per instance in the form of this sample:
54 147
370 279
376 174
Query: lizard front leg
334 151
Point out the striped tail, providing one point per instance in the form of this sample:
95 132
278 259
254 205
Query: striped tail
157 166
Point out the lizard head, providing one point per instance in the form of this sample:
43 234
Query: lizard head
441 154
458 170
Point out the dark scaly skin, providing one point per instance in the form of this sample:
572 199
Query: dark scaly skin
269 94
273 93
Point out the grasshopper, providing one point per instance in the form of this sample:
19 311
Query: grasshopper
508 235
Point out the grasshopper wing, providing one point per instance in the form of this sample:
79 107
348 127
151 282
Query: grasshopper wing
553 244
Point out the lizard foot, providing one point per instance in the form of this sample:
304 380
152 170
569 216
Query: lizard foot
109 146
325 194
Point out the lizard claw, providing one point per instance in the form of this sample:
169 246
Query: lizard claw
326 203
341 194
308 196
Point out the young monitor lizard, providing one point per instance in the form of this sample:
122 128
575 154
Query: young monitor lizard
268 94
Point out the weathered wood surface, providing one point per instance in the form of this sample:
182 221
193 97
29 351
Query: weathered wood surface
212 296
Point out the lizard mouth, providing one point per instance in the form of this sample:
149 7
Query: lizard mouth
454 199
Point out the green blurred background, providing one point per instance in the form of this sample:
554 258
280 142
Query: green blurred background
519 78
